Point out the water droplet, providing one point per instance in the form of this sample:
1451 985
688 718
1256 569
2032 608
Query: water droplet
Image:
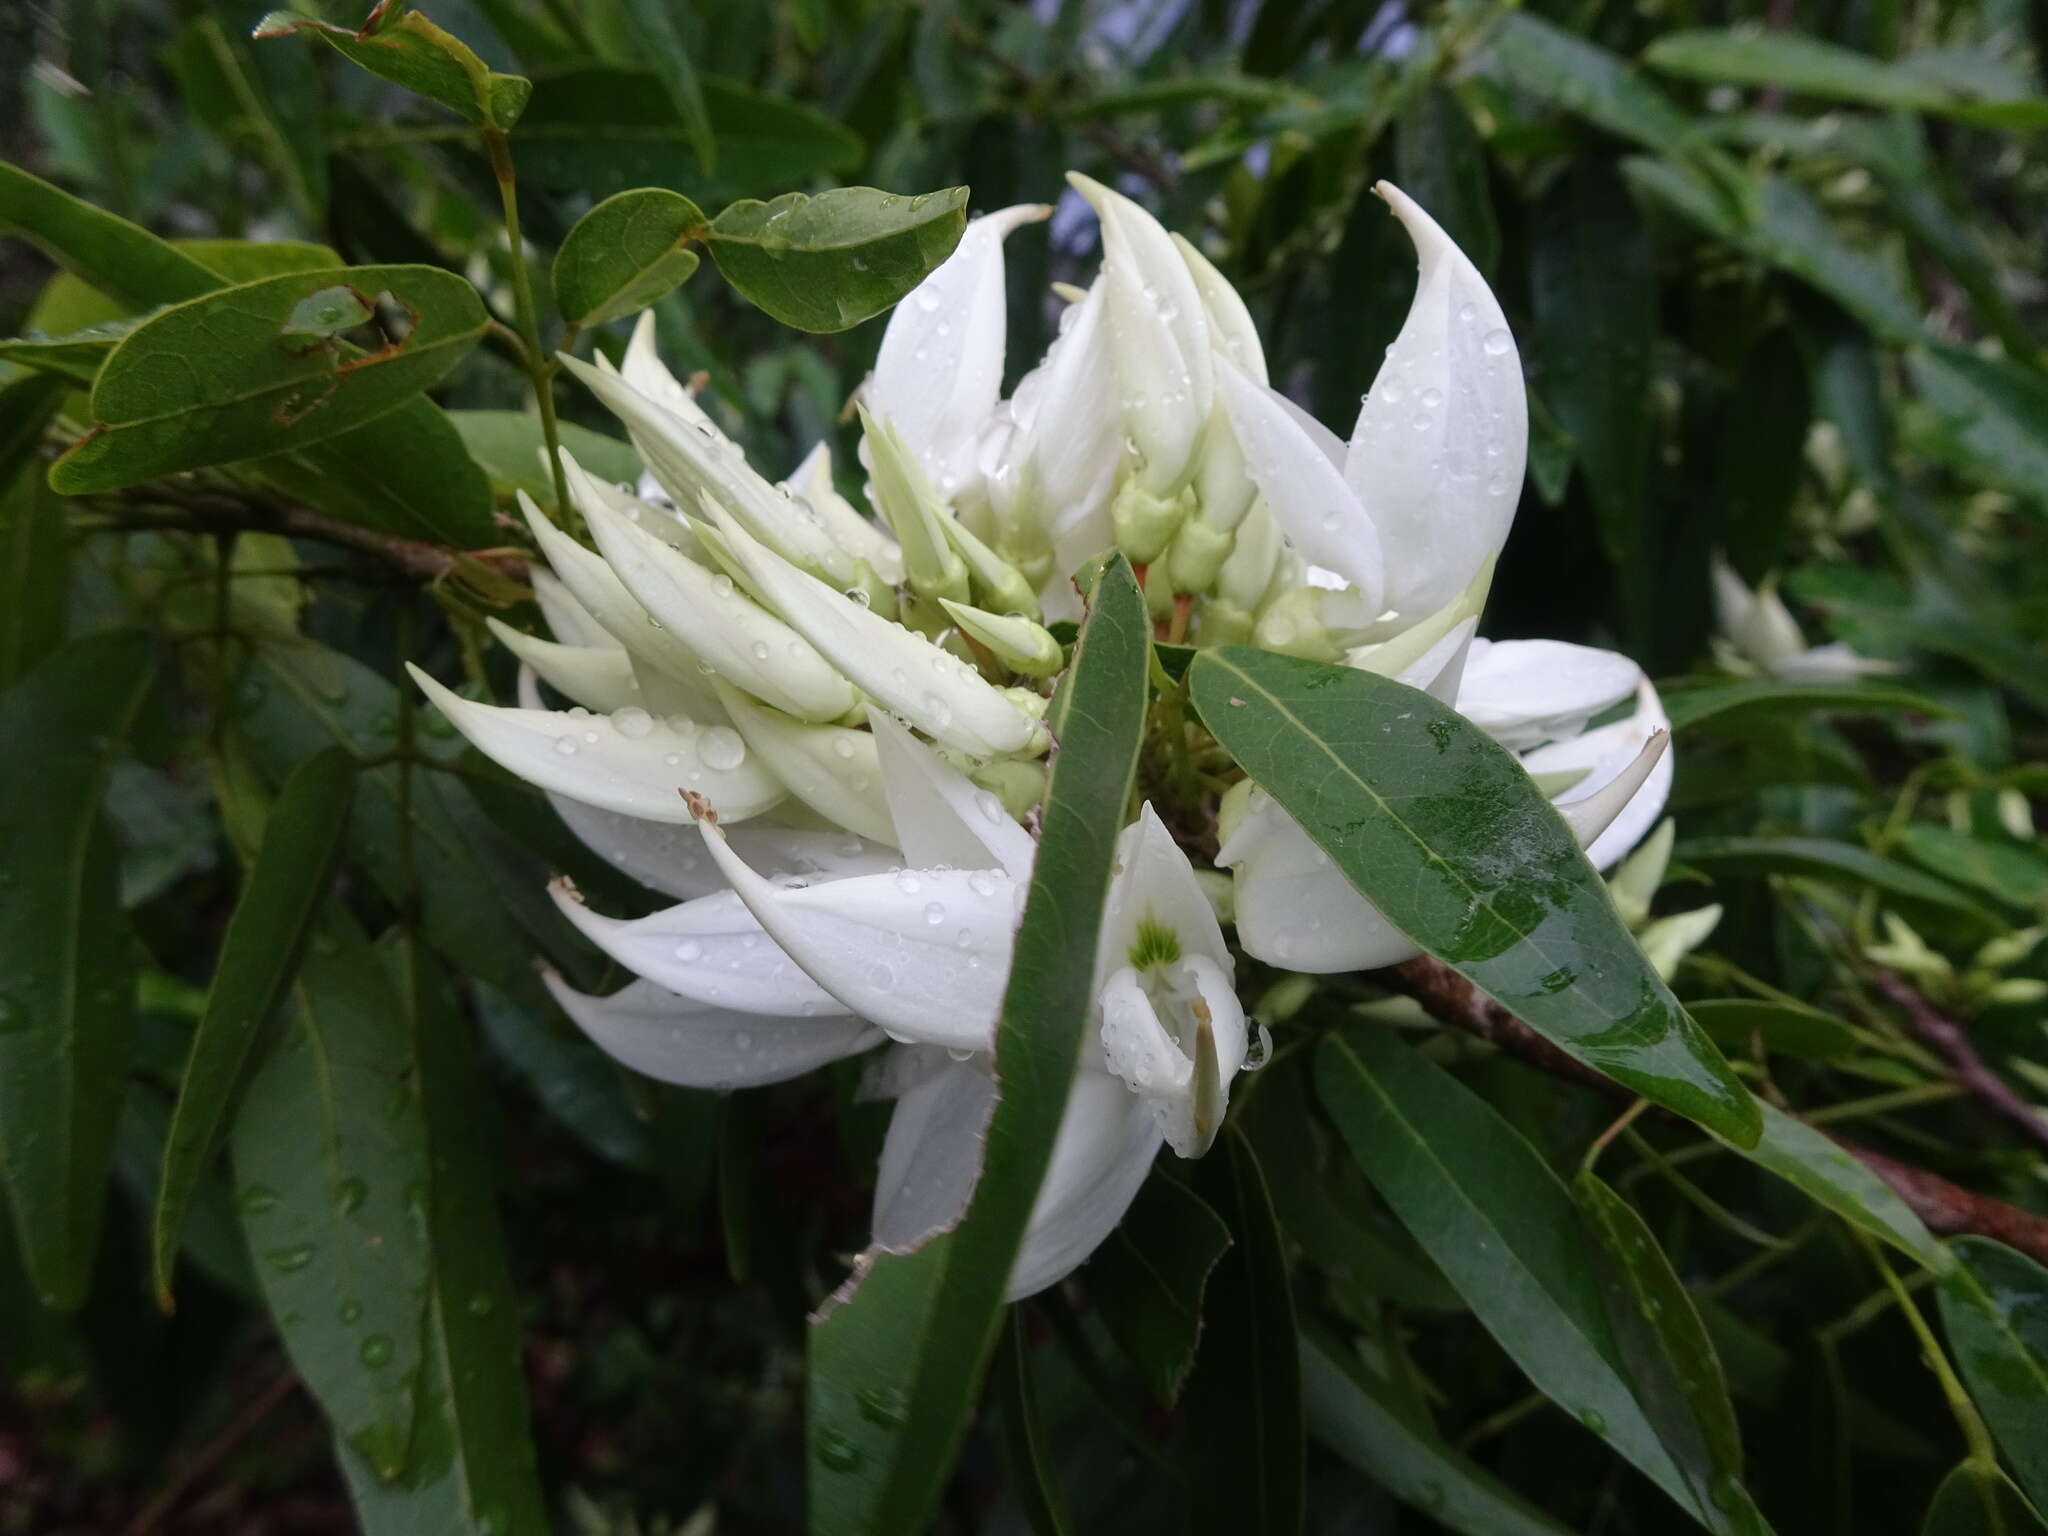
1498 343
842 746
886 1406
479 1305
722 585
982 883
375 1351
290 1260
349 1196
837 1453
689 950
351 1311
1432 398
565 746
722 748
632 722
1258 1050
1594 1420
908 883
258 1198
881 977
759 650
857 595
935 912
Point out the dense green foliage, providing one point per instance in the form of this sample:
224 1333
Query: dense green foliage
320 1213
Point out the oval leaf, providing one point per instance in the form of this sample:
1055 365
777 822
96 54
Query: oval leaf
827 262
625 253
270 384
1445 832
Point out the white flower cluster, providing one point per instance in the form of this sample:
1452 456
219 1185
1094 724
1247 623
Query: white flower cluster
821 733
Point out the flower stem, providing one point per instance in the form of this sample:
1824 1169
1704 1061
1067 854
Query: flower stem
538 362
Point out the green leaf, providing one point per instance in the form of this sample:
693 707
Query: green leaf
108 252
263 390
625 253
660 41
573 1080
602 130
1994 1306
1416 806
1532 55
1762 453
1816 858
258 959
827 262
896 1358
1243 1402
1670 1357
1147 1280
1811 66
411 51
76 356
67 1003
1441 163
1976 1500
507 446
1032 1480
331 1173
1361 1420
471 1466
408 472
1819 1168
1499 1224
1803 1033
2010 873
1992 412
225 91
35 554
1689 706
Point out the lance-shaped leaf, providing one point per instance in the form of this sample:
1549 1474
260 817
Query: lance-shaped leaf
827 262
1753 698
1148 1279
662 43
106 251
332 1172
625 253
1994 1305
1447 835
67 1005
409 50
35 547
278 377
1817 858
1032 1477
896 1361
599 677
1501 1227
258 959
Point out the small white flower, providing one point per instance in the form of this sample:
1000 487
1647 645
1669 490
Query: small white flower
1759 634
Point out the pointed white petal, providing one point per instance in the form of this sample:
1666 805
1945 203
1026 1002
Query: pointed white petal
1307 495
1181 1066
931 1155
598 677
1104 1148
671 858
1732 598
1670 939
1769 633
1437 455
568 620
643 368
1523 693
899 669
1603 754
1066 415
600 593
728 631
1295 908
711 950
677 1041
1154 885
862 537
662 522
1837 662
942 820
1231 329
635 765
1595 813
831 768
924 954
940 367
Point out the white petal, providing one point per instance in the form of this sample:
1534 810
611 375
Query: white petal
716 622
672 858
1834 663
924 954
1595 813
600 593
831 768
1523 693
940 368
901 670
676 1041
862 537
1295 908
568 620
1439 449
1602 755
1067 422
1231 329
711 950
1154 884
1732 598
598 677
638 771
942 820
1105 1146
1182 1070
1670 939
931 1155
1306 494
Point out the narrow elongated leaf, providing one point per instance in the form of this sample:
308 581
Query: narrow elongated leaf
76 356
471 1466
1032 1481
258 959
409 50
625 253
1670 1358
1148 1278
1243 1402
34 552
1691 706
67 991
1993 412
1531 54
1500 1226
1361 1421
894 1364
1785 1030
1978 1500
1440 161
270 385
1808 1160
1443 830
108 252
1817 858
1994 1305
331 1172
226 91
2009 873
827 262
663 44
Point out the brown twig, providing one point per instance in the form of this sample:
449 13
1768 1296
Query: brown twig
1953 1041
212 1454
1946 1208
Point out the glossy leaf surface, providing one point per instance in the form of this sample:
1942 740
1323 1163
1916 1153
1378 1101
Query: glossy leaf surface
625 253
827 262
1994 1306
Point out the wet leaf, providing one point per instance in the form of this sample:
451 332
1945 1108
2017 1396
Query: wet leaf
625 253
1994 1306
409 50
1816 858
827 262
1690 706
1808 1160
